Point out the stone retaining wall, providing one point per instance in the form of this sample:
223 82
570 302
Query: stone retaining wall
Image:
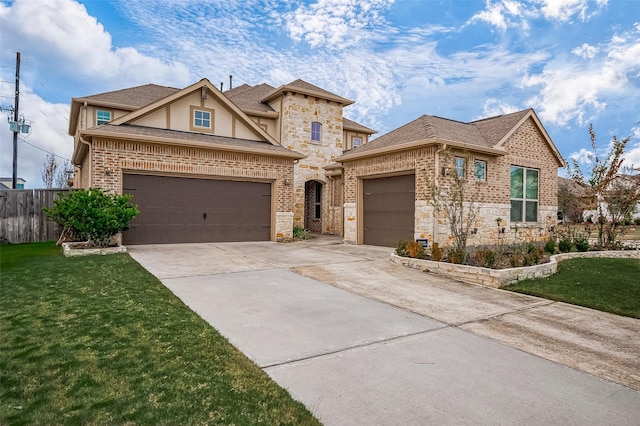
498 278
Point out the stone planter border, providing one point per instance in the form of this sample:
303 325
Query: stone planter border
498 278
76 249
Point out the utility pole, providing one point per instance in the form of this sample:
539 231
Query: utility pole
16 130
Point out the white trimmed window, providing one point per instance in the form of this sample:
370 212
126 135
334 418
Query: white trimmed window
356 141
316 131
102 117
480 170
524 194
201 119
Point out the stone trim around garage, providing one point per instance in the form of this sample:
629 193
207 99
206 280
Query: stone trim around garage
498 278
77 249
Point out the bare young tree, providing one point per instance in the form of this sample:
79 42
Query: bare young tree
49 168
602 174
65 169
453 199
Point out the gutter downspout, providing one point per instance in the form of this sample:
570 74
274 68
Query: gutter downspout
331 206
436 183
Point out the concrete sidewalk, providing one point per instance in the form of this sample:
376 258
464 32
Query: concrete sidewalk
354 360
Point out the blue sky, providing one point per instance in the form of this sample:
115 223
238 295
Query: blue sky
574 61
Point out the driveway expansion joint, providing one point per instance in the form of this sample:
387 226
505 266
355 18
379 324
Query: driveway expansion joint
500 314
373 343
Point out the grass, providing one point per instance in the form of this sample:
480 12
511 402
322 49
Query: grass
610 285
98 340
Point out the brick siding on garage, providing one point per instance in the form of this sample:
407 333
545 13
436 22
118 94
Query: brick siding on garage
117 155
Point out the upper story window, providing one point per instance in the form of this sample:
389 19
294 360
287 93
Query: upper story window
19 185
102 117
201 119
316 130
357 141
480 170
460 166
524 194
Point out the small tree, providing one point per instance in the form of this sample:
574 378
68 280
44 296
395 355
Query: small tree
453 200
64 172
602 174
49 168
94 215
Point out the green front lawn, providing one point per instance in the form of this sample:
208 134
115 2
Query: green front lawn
610 285
99 340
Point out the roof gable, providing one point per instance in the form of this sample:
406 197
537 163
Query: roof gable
210 90
487 135
301 86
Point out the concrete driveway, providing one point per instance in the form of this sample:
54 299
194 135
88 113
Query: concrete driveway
418 349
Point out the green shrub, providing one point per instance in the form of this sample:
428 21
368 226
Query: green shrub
564 245
300 233
93 214
457 256
550 246
581 243
637 221
401 248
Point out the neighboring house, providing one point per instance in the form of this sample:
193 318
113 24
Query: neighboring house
204 166
514 178
7 183
624 190
573 200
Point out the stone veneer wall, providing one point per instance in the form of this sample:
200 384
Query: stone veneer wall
122 156
298 111
498 278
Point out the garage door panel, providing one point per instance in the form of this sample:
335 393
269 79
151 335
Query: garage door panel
388 210
171 210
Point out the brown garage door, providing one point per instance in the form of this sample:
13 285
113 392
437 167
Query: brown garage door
388 209
185 210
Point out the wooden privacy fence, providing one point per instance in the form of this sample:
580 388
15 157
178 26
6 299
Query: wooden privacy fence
21 217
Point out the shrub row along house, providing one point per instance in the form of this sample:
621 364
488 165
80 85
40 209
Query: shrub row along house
252 162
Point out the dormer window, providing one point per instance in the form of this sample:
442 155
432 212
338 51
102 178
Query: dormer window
316 131
202 119
357 141
102 117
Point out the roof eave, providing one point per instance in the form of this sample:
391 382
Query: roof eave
419 144
179 142
286 88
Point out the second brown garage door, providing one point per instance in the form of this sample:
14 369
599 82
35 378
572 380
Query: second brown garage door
388 210
185 210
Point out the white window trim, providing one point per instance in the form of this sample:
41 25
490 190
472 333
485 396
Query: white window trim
98 121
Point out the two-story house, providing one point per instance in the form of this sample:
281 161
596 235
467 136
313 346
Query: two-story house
203 165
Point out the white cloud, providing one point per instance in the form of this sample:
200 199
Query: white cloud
570 91
335 23
503 14
565 10
62 37
493 107
585 51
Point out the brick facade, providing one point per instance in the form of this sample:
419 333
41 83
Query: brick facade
526 147
112 158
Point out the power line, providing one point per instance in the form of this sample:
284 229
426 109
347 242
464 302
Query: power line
44 150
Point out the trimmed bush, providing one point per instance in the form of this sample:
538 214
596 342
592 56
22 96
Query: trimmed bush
94 215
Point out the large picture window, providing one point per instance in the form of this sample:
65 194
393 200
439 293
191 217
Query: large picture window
524 194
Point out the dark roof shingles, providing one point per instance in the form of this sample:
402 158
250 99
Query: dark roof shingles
134 97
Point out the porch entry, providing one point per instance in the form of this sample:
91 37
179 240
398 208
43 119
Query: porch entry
313 206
